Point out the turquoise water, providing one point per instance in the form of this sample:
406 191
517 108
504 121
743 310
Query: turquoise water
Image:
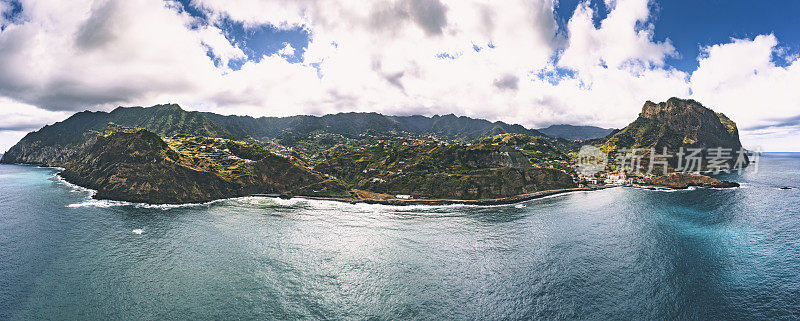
619 253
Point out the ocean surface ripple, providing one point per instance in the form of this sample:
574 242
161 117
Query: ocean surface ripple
621 253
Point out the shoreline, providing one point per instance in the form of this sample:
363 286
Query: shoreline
393 202
437 202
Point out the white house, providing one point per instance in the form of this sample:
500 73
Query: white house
616 179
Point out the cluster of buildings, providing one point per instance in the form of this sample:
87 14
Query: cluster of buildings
607 179
617 179
206 150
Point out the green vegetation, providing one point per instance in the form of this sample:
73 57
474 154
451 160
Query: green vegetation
674 124
322 164
538 151
166 154
228 158
428 167
644 133
729 124
134 164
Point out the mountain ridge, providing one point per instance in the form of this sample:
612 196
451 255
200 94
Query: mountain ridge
136 165
171 119
574 132
164 154
354 123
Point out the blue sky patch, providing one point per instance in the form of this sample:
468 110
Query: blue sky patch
566 8
691 25
445 55
264 40
11 15
554 76
705 23
255 42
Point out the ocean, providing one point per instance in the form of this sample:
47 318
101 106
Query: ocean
619 253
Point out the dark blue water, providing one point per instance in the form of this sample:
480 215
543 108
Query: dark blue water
620 253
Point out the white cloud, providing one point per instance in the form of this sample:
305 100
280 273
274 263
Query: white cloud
617 43
283 14
17 119
387 56
219 45
23 117
382 56
287 50
10 137
740 79
85 54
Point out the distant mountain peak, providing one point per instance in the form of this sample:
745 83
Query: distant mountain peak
168 107
677 123
691 117
672 106
574 132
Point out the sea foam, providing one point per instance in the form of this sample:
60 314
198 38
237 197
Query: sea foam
73 187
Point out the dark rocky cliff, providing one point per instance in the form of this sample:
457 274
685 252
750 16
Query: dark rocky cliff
139 167
674 124
476 184
699 126
685 180
136 165
494 167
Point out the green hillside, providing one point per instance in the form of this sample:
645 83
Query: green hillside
163 154
133 164
295 128
675 124
498 166
54 144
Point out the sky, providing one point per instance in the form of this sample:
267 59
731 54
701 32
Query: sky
533 62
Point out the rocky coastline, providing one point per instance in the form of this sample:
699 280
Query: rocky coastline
686 180
438 202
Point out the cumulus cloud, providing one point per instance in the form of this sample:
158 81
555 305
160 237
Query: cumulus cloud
623 40
100 28
504 60
213 39
23 117
17 119
430 15
740 79
54 58
287 50
507 82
